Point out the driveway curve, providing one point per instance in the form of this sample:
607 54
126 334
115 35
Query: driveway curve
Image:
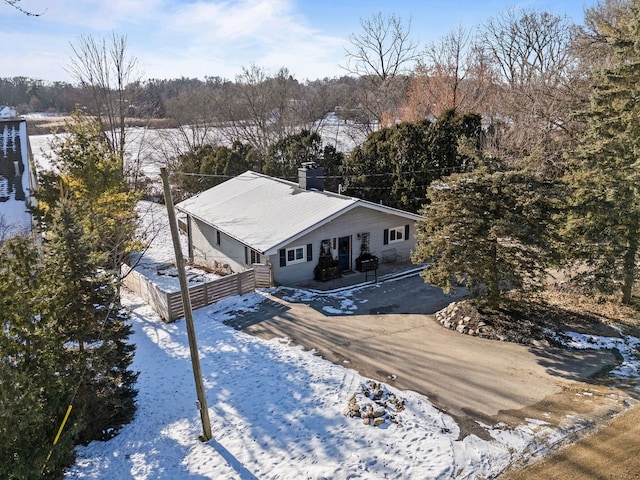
475 380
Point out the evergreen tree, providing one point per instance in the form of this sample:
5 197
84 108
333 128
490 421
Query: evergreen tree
89 174
489 229
396 165
603 227
285 157
33 392
214 164
84 304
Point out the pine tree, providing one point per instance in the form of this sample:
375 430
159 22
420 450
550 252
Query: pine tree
84 304
488 229
396 164
603 225
33 393
89 174
284 157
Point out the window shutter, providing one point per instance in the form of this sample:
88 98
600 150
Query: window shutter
309 252
283 257
246 256
386 236
406 233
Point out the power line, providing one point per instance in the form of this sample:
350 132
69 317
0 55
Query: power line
345 176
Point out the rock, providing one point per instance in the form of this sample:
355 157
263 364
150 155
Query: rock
368 410
461 328
377 393
352 410
378 421
379 412
467 319
366 421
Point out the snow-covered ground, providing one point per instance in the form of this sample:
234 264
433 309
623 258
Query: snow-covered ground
278 412
157 263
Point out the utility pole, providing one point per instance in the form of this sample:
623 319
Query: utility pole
188 316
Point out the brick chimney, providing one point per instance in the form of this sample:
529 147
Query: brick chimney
311 176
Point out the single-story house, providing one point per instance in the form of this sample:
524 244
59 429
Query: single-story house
254 218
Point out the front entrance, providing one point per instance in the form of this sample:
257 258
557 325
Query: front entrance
344 253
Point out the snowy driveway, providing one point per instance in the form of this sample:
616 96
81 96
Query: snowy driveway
386 332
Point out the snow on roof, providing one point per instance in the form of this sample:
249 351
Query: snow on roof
266 213
263 211
14 178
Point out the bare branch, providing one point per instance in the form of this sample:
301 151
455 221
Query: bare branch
15 4
382 49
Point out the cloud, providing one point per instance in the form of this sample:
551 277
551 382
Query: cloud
174 38
222 37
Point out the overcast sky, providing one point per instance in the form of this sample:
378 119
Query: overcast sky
198 38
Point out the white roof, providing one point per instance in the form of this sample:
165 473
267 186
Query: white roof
15 212
267 213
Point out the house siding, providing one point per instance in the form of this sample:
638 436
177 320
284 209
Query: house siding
350 224
207 252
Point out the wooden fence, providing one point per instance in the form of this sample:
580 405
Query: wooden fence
169 304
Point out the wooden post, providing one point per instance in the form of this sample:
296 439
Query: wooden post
188 316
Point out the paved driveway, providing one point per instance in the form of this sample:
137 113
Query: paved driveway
387 332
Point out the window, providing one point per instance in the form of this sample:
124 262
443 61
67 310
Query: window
397 234
255 257
295 255
291 256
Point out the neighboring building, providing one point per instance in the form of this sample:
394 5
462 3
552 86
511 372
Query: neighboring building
7 113
254 218
17 178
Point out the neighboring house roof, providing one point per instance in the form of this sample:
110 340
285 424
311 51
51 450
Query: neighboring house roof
17 178
267 213
7 112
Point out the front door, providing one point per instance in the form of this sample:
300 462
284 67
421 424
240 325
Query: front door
344 253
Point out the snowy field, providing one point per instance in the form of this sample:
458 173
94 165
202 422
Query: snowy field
278 412
148 149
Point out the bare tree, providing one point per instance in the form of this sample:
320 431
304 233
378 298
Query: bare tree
382 49
381 54
454 74
105 69
457 72
195 114
529 47
260 109
536 74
